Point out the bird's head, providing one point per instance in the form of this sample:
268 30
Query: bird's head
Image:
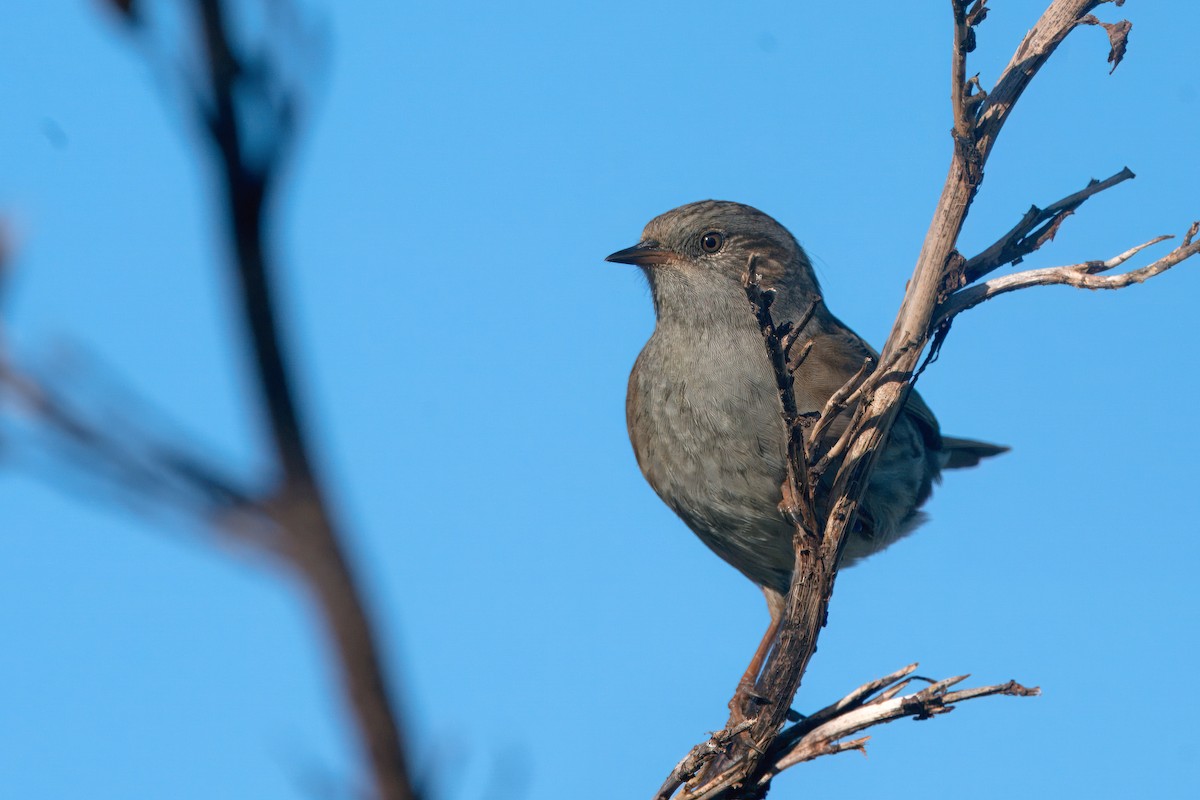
695 257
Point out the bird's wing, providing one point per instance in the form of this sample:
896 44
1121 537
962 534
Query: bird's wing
833 359
922 414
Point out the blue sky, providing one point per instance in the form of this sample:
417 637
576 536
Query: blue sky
463 171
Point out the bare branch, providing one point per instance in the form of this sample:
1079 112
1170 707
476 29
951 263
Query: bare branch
938 265
848 400
927 284
924 704
963 102
1023 239
853 700
1059 19
798 494
845 396
700 756
1081 276
875 703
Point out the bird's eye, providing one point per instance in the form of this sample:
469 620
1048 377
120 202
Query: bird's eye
711 242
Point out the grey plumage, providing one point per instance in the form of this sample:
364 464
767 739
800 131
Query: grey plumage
702 407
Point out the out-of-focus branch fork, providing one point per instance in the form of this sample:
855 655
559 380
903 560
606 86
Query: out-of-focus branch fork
311 539
247 115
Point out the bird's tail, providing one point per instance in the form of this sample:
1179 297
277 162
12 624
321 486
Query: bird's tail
959 453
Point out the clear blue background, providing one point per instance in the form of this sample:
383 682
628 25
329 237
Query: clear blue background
556 631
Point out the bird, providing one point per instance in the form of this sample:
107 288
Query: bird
704 412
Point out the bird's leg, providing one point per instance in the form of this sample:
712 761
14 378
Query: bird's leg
745 700
745 703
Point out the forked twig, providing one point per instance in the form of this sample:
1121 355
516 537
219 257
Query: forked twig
1026 236
847 395
843 399
1085 275
875 703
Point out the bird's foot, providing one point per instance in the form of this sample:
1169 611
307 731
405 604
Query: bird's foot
745 705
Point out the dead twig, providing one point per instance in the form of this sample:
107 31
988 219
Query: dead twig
798 492
841 400
815 741
698 758
875 703
1026 236
1082 276
847 395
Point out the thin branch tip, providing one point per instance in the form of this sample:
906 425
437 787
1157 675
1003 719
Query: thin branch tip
1036 228
1191 233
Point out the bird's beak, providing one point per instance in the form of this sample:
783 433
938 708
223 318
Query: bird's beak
643 254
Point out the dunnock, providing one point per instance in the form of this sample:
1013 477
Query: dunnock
704 413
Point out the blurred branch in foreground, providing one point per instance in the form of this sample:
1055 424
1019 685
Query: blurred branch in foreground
248 115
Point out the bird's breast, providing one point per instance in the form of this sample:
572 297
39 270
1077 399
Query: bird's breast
704 420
